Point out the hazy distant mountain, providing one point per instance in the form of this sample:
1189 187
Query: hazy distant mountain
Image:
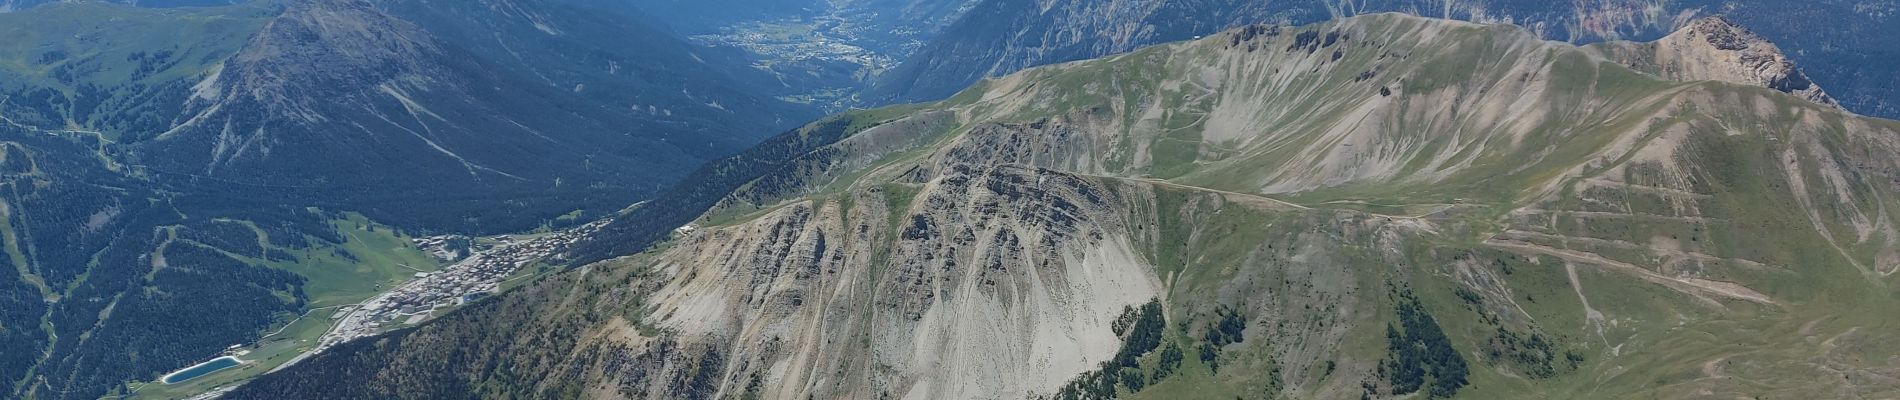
1380 206
467 106
436 114
1843 44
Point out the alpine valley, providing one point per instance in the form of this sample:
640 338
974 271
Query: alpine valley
184 179
1381 206
1050 199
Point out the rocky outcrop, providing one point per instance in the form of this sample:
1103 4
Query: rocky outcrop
1716 48
985 267
1377 107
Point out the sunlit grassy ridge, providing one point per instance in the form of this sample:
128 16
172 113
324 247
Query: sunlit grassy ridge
1522 155
1383 206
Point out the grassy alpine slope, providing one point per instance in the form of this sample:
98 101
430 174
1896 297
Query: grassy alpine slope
120 70
1379 206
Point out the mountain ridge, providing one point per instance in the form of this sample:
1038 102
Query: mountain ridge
1041 35
1379 206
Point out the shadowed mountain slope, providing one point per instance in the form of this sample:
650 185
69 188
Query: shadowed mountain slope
471 116
175 181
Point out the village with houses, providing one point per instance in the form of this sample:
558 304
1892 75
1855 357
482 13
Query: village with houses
480 271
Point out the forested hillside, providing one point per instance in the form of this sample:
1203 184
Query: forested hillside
113 279
183 177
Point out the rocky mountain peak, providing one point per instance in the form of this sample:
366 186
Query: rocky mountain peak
330 44
1716 48
1722 33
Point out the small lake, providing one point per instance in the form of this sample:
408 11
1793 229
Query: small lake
215 365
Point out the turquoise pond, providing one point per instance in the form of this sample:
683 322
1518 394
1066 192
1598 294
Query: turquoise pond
195 371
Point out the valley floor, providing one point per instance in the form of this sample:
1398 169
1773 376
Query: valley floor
430 292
